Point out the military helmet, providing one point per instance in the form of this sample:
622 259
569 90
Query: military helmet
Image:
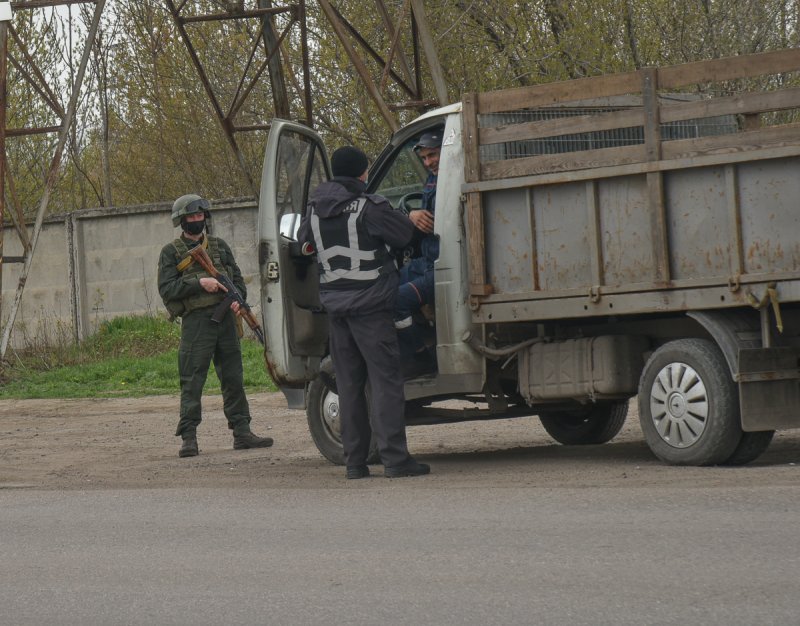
188 204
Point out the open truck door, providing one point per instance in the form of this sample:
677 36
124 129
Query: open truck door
295 327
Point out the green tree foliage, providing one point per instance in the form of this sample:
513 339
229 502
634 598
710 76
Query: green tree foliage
147 131
164 137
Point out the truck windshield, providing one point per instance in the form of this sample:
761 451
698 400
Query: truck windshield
405 174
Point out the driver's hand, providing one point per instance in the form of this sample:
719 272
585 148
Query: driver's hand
422 219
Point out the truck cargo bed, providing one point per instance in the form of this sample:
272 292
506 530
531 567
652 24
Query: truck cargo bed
663 221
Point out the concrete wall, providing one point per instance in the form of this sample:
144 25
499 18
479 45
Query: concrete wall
97 264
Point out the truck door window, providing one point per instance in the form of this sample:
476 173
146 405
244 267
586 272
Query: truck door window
404 175
300 169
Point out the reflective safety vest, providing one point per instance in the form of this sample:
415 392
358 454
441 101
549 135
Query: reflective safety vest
348 257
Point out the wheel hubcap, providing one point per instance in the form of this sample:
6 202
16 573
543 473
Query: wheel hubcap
330 414
679 405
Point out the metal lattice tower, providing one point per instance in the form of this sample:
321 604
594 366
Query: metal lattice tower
270 42
396 66
30 71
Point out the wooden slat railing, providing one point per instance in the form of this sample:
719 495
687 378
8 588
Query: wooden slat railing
632 83
653 112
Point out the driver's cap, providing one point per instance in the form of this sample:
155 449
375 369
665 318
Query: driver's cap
430 139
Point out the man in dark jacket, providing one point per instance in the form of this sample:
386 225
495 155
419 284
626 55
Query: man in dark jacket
353 234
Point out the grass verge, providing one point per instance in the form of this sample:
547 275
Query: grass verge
129 357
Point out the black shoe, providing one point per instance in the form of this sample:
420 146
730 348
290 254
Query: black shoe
189 447
249 440
409 468
357 471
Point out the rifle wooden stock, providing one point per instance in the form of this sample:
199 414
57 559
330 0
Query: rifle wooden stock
200 256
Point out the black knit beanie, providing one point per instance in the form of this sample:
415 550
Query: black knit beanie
349 161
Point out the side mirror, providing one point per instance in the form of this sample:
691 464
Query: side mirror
290 224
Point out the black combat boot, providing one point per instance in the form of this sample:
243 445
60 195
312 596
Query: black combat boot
248 440
189 447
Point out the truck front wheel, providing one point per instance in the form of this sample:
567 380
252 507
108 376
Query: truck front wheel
689 404
324 420
598 423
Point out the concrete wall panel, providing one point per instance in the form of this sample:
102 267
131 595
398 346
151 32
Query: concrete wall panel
97 264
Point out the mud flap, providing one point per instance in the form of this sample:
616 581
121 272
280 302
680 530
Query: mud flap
769 388
295 398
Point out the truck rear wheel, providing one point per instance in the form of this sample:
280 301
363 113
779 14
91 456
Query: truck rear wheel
598 423
324 420
689 404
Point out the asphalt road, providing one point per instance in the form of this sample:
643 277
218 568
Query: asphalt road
408 551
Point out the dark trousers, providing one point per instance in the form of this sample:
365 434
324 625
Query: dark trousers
204 341
416 288
364 347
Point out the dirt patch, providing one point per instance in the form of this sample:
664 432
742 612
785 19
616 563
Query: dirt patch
128 443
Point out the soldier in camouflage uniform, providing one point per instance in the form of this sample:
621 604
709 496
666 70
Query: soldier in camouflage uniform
190 293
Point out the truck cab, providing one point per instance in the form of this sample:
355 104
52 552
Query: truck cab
295 324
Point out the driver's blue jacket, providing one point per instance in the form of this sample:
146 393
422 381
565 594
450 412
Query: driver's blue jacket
429 245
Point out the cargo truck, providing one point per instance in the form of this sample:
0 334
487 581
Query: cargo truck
605 238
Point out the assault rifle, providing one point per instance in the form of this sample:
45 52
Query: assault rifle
200 255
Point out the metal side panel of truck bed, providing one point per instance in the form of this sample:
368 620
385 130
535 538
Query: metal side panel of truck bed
667 203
